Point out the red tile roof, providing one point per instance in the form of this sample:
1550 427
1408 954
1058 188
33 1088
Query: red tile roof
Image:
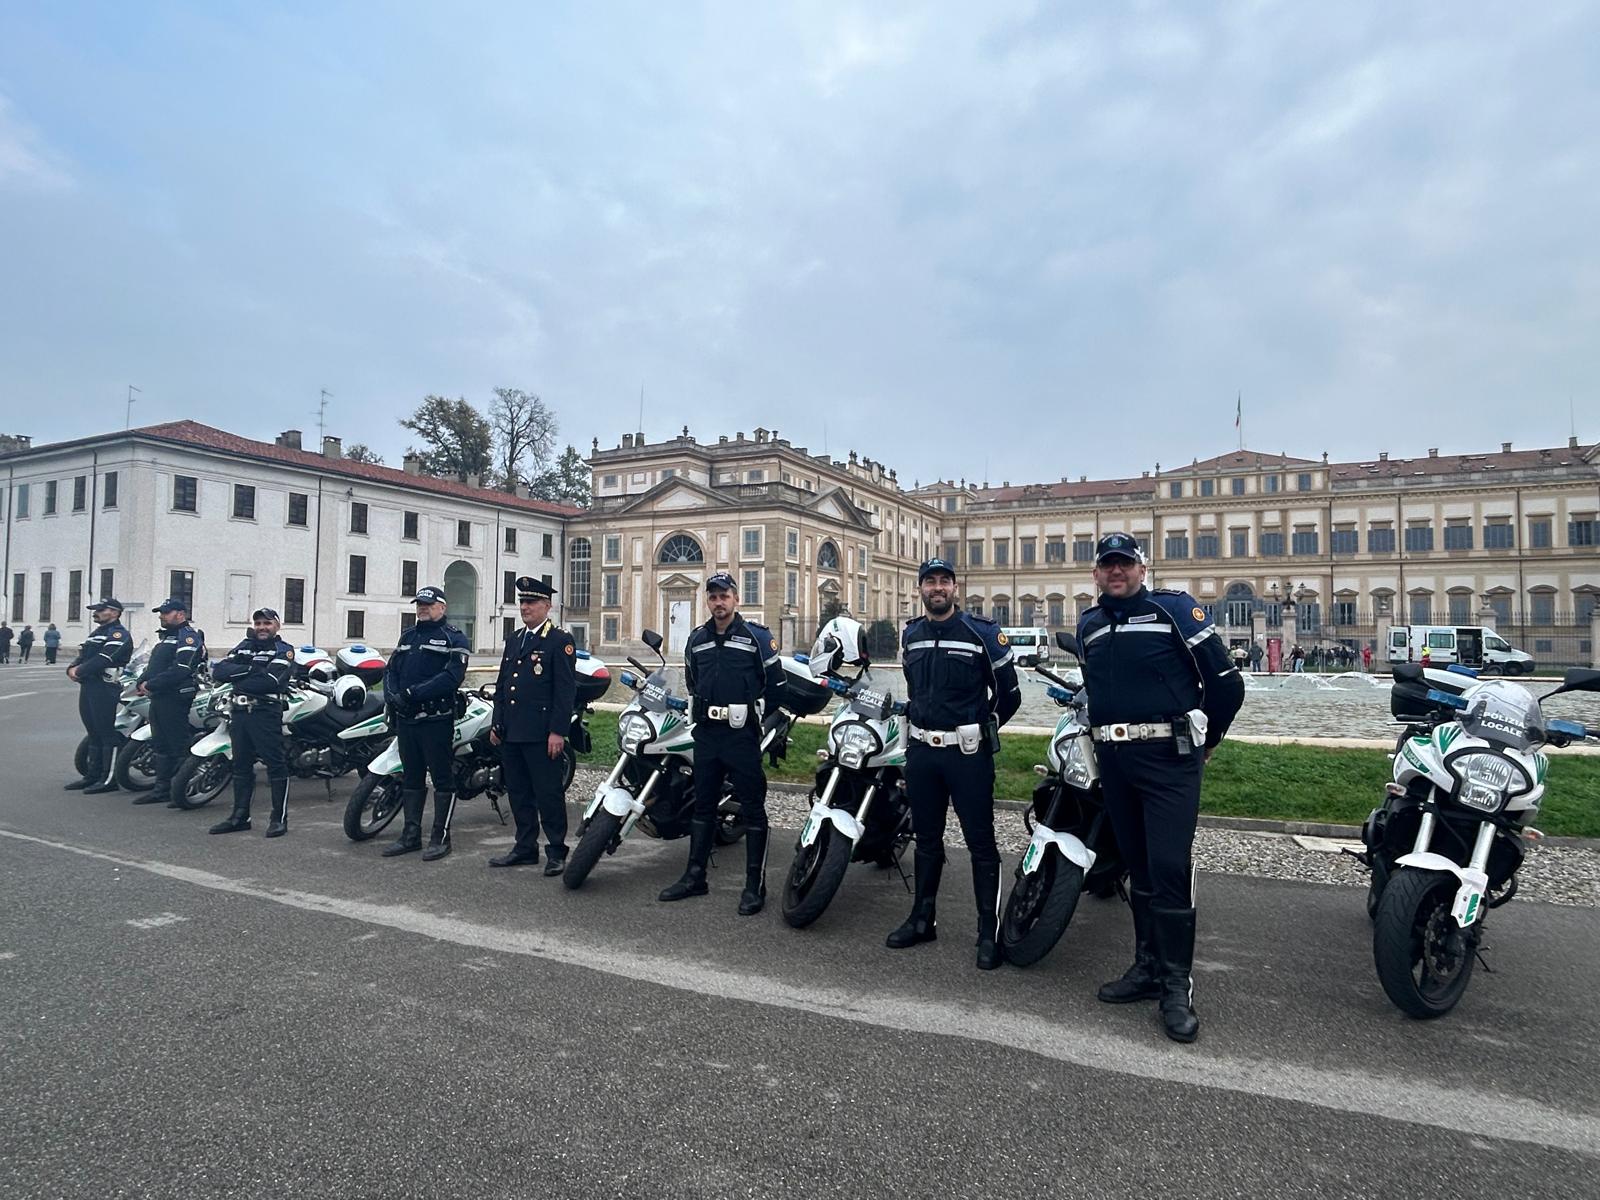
193 433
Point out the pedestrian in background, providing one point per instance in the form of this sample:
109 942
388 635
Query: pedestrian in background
24 643
6 635
52 643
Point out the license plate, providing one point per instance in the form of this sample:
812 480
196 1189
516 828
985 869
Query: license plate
1031 857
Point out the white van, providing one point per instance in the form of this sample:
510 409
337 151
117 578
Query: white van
1469 645
1028 646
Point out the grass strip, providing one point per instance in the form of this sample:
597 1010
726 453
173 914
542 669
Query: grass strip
1243 779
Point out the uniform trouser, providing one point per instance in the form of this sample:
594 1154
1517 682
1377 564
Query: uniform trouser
939 779
425 748
97 707
729 755
533 783
1152 795
169 734
257 735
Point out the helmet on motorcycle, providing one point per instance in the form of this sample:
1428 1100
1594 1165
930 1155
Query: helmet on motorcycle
320 675
842 643
349 692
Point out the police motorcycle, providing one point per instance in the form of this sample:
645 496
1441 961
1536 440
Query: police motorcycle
859 812
1446 844
476 763
651 785
333 723
136 758
1072 846
133 710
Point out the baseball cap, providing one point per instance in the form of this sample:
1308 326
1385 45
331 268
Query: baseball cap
429 595
936 566
106 603
265 614
721 581
1118 545
172 604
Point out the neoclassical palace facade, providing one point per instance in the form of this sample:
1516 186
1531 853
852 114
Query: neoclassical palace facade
1505 536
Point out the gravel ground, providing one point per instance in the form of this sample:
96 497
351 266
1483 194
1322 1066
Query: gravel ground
1556 874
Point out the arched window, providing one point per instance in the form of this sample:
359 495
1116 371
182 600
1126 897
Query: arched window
828 557
1238 603
680 549
578 558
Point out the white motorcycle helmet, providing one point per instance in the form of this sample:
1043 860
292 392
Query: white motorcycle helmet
349 692
842 642
320 675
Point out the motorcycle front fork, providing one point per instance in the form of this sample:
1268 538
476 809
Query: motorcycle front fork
1480 847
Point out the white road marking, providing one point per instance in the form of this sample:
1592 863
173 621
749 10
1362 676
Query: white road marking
18 695
1471 1111
7 955
157 921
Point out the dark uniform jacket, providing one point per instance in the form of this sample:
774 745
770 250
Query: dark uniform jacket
959 671
537 688
425 670
175 663
103 654
1152 657
256 668
740 666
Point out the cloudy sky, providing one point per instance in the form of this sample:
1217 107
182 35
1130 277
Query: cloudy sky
1009 240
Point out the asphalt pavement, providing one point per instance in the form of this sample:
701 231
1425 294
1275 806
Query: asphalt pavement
231 1016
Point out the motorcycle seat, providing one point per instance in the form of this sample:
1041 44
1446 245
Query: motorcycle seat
346 717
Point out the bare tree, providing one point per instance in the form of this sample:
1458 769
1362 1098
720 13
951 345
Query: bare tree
524 436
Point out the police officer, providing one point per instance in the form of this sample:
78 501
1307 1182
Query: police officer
420 686
258 670
533 702
729 664
961 686
1162 694
171 679
98 673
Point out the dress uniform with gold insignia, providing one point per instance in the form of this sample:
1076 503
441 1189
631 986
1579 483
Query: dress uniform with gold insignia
98 673
533 704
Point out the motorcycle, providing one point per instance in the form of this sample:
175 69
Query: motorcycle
133 710
333 723
136 766
1446 845
651 786
1072 846
377 798
860 812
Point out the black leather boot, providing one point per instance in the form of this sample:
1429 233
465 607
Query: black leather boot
1140 981
986 887
160 791
279 825
244 790
444 806
755 872
411 835
106 771
922 925
1174 938
91 771
693 880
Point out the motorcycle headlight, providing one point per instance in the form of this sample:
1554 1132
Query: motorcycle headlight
1487 780
633 731
854 743
1074 761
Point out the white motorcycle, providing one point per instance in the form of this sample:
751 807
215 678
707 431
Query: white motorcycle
1446 845
136 765
133 710
861 813
651 786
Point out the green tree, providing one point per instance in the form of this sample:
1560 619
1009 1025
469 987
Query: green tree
362 453
883 640
567 482
831 608
456 438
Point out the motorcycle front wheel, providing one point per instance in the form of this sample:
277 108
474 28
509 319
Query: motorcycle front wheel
730 821
1424 958
569 766
374 803
199 781
80 758
136 766
596 840
1040 908
815 876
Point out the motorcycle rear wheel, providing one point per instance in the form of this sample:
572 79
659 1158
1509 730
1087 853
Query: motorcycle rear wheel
199 781
80 758
136 766
815 876
375 802
596 840
1040 908
569 766
1424 959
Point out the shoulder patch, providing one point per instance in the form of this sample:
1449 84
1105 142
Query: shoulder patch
1002 639
1198 613
116 635
571 649
188 641
772 644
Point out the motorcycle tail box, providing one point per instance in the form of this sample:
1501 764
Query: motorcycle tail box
1408 699
593 680
365 663
804 695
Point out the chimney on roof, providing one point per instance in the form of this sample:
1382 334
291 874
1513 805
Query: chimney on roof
1572 442
289 439
638 440
1083 479
411 464
1433 452
472 479
1145 475
761 434
332 447
1505 447
1005 483
1383 456
627 441
722 440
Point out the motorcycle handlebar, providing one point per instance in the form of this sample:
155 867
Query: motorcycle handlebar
1054 678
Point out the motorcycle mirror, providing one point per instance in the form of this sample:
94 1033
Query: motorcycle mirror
1408 672
1068 643
1577 679
652 639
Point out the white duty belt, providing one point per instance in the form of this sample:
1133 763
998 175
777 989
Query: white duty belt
940 738
1124 732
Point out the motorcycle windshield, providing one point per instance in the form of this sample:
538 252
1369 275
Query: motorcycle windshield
661 685
872 703
1503 713
140 659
